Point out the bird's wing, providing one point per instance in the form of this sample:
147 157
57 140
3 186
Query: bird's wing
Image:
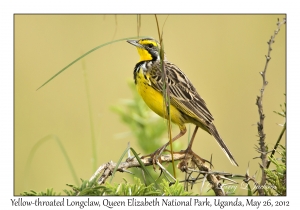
183 95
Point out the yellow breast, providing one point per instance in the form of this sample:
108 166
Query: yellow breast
154 99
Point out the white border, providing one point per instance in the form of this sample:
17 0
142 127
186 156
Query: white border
8 8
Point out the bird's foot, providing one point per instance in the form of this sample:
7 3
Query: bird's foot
190 155
154 157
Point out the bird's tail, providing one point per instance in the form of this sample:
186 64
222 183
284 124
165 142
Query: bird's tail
222 144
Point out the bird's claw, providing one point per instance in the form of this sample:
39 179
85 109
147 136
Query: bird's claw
155 156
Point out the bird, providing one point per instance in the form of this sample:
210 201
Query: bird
186 105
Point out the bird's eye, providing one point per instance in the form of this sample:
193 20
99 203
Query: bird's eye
150 45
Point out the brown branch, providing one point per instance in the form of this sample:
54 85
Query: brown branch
248 179
260 124
214 178
211 178
130 163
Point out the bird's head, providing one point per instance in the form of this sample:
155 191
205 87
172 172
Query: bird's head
148 48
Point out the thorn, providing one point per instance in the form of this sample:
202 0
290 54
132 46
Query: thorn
266 82
254 174
261 73
128 144
163 169
247 172
269 151
203 184
123 170
225 178
129 159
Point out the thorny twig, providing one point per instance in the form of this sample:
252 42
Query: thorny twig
260 124
214 178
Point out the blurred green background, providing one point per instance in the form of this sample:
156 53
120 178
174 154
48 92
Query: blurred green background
221 54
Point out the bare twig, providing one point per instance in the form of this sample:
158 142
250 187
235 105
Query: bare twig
248 179
214 178
260 124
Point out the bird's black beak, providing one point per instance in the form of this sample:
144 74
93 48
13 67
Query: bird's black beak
134 43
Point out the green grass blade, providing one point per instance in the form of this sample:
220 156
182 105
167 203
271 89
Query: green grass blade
166 93
118 163
63 151
152 180
85 54
189 134
93 137
249 190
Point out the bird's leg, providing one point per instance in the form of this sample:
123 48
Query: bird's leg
189 148
188 152
155 155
